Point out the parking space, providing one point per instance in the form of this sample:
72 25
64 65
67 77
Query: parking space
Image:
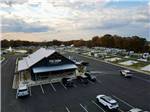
36 90
59 86
63 85
123 104
80 98
97 105
52 88
47 89
88 106
42 89
60 109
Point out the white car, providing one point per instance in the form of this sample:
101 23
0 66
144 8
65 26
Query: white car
107 101
22 90
126 73
136 110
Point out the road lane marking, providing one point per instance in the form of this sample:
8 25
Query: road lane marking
97 105
63 86
67 109
83 107
53 87
42 89
148 81
124 101
30 91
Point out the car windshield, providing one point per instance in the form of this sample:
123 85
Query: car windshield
107 98
22 90
114 103
127 71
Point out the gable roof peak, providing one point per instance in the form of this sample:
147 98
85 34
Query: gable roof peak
33 58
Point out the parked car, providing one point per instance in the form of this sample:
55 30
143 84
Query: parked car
22 90
90 77
67 82
136 110
82 79
126 73
108 102
85 63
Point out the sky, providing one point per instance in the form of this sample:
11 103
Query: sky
46 20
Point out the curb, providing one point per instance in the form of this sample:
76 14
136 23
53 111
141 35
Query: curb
117 65
14 85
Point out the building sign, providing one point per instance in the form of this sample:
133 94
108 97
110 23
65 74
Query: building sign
55 61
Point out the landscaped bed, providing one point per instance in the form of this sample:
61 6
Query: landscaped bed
146 68
2 59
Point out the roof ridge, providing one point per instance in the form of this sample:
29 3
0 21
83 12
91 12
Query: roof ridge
36 56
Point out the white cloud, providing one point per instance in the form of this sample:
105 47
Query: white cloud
74 15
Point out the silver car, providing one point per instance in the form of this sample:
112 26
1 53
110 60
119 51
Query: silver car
136 110
107 101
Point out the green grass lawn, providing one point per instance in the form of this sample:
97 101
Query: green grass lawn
139 65
2 58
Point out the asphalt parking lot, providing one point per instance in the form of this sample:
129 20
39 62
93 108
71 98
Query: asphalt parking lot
134 92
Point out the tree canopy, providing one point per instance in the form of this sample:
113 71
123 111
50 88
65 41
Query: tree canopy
133 43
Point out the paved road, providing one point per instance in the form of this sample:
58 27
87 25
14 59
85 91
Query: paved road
136 90
129 92
7 94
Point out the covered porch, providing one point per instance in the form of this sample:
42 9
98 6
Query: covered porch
52 72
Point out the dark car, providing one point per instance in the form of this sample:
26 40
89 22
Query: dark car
82 79
67 82
85 63
90 77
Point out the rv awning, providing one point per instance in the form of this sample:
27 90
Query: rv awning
54 68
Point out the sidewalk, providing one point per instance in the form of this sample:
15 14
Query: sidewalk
27 80
15 81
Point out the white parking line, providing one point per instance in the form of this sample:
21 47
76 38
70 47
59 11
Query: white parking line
63 86
124 102
75 85
120 110
98 81
90 82
42 89
97 105
84 108
30 91
96 72
16 96
67 109
53 87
